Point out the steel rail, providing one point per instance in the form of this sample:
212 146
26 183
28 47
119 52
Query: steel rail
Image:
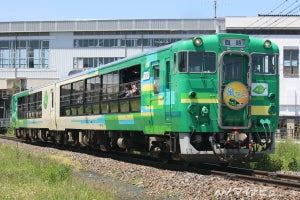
261 176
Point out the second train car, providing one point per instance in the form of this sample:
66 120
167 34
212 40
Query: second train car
211 98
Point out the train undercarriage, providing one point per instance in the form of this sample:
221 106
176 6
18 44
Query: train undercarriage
190 147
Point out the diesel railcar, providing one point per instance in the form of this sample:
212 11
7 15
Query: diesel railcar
211 98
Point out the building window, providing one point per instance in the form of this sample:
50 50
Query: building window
291 62
24 54
128 42
79 63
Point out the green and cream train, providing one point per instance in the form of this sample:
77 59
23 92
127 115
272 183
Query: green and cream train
211 98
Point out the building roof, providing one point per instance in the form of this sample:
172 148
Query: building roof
111 25
275 22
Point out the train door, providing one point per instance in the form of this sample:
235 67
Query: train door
234 90
157 94
167 92
52 108
156 99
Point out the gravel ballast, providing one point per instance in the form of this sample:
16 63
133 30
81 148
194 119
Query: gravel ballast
133 181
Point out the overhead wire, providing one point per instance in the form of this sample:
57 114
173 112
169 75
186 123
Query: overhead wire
288 7
277 7
280 13
287 10
282 18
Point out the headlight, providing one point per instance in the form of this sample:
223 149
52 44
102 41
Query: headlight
268 44
197 41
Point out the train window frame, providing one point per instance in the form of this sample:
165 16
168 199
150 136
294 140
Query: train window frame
30 106
263 70
174 63
77 98
23 107
101 94
39 104
65 99
77 90
156 80
233 71
52 98
168 75
92 95
184 62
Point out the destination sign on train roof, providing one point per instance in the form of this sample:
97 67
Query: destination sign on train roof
232 42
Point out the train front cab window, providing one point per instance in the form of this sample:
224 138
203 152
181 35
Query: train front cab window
233 68
263 64
196 62
102 94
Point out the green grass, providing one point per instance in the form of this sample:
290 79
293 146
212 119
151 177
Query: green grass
10 131
286 157
23 176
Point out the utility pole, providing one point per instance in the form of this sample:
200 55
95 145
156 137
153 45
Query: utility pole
216 23
215 4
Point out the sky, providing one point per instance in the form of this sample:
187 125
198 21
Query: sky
53 10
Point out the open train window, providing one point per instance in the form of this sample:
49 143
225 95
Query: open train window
130 82
130 89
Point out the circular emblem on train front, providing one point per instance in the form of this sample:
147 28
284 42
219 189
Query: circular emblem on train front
236 95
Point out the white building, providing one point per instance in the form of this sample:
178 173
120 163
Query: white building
285 32
34 53
43 51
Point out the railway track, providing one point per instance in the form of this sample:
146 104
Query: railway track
12 138
277 179
282 180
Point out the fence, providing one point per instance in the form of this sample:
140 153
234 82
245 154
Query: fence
4 124
285 133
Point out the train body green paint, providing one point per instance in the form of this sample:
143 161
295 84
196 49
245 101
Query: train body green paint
212 97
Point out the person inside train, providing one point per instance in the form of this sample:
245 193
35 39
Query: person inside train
125 92
134 90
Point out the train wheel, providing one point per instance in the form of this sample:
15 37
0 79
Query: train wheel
165 158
